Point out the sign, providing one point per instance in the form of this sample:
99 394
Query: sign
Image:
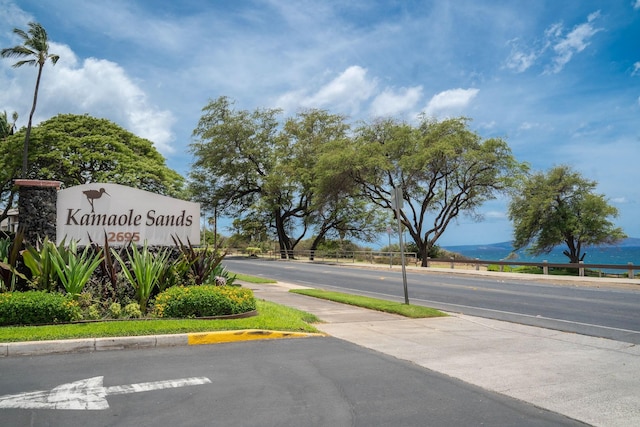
396 198
87 394
88 212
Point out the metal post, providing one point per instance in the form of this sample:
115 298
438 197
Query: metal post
398 204
390 256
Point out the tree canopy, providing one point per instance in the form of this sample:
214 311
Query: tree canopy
252 164
560 207
80 149
444 170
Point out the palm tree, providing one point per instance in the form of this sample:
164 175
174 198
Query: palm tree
36 47
7 128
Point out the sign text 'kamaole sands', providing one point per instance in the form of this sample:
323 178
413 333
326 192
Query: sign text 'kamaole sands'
90 212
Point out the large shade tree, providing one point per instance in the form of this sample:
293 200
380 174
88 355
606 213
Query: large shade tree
35 51
80 149
334 210
560 207
443 169
235 163
250 164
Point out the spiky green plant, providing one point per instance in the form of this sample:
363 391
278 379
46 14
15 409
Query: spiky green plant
202 262
75 269
143 271
9 256
39 260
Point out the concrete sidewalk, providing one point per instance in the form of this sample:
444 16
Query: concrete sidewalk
593 380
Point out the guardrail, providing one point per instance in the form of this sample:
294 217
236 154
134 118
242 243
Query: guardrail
411 258
545 265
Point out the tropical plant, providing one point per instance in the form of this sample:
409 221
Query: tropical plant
202 262
143 271
109 270
221 276
9 256
39 260
75 269
7 128
35 47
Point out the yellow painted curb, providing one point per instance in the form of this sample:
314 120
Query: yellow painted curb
243 335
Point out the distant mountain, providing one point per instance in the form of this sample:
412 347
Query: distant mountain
629 242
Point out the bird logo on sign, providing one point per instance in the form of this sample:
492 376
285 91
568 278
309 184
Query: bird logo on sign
94 194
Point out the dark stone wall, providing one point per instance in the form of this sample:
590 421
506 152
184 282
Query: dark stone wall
37 212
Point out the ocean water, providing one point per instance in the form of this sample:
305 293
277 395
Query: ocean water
595 255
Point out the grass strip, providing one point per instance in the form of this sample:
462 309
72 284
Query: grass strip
270 316
251 279
407 310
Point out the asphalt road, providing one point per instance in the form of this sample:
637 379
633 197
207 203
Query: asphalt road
589 310
297 382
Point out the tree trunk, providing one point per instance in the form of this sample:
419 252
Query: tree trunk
25 149
424 254
314 246
286 251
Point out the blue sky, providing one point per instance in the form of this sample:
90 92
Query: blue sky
558 80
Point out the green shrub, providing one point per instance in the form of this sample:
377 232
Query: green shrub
132 311
115 310
37 307
203 301
93 312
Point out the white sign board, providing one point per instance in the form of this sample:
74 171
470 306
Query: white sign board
90 212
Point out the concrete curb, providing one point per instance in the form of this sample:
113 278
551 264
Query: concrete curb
244 335
36 348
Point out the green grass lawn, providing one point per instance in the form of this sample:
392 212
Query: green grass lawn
251 279
407 310
270 316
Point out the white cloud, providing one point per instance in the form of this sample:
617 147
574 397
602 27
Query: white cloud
528 126
349 88
345 93
391 102
450 101
96 87
620 200
564 47
574 42
636 6
521 61
636 67
495 215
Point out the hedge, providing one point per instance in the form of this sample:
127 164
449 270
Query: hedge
203 301
37 307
